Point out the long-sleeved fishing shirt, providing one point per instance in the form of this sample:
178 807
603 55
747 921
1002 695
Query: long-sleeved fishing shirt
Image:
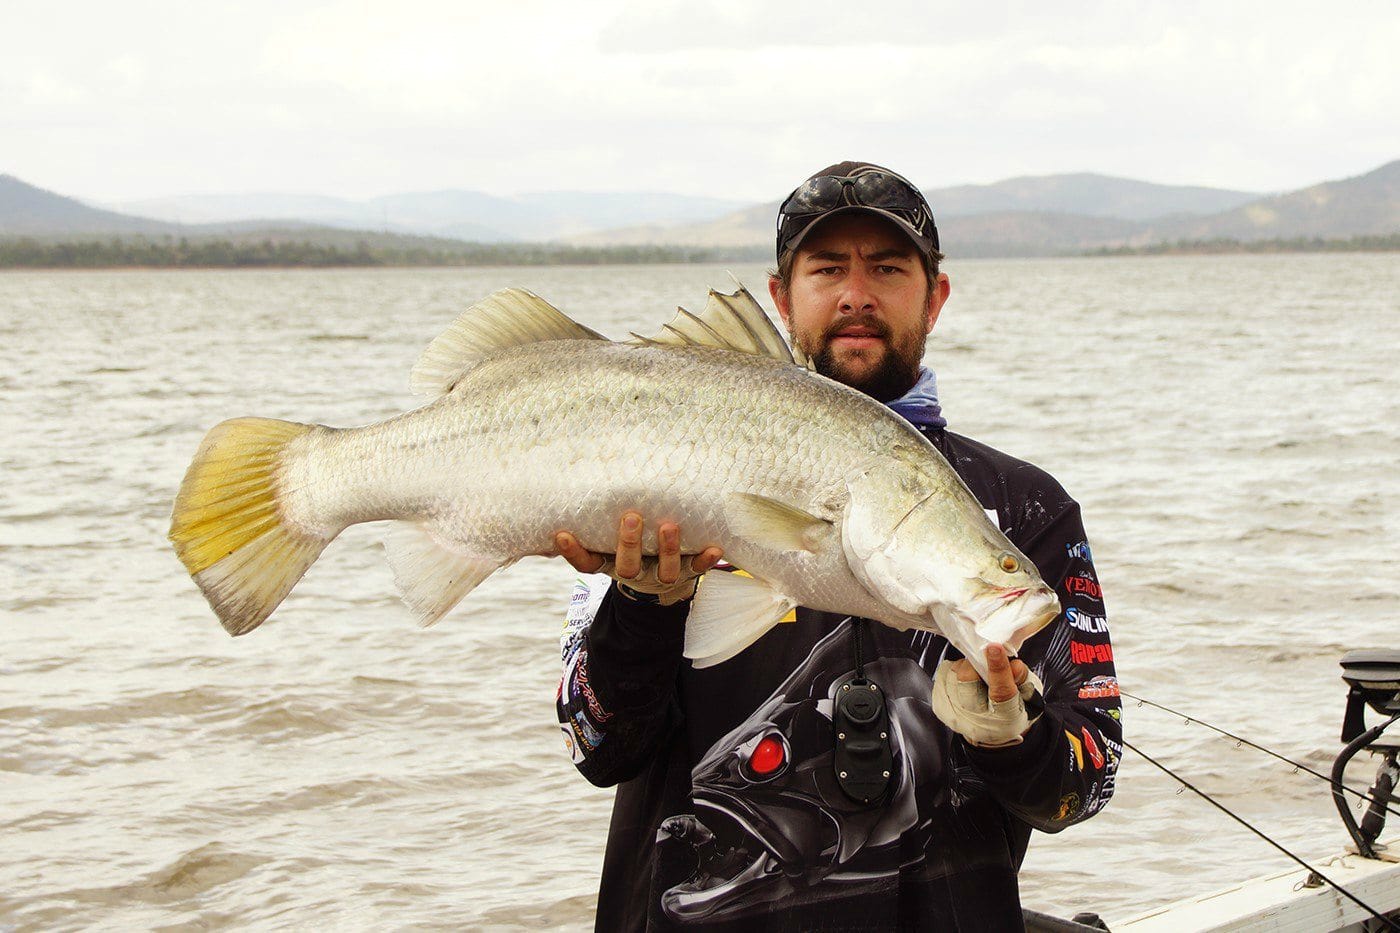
728 815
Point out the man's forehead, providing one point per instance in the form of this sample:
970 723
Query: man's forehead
867 235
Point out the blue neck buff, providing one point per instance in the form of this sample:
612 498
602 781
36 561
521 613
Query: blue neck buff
919 405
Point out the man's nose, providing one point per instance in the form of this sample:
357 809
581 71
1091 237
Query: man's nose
856 296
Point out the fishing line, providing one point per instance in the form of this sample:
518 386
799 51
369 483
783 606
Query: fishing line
1391 924
1239 740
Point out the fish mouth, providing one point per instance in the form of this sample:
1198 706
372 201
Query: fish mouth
1006 615
1017 614
743 858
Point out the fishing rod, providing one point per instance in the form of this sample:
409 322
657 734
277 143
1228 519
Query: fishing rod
1335 781
1314 873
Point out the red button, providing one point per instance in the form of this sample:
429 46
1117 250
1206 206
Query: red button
767 756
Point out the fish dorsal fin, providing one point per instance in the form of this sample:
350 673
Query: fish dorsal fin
507 318
730 322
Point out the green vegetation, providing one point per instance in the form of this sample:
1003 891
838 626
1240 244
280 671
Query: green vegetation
1358 244
325 249
285 250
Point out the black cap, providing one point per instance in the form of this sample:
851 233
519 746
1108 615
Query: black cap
856 186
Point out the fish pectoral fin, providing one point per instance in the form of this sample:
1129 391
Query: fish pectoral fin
508 318
431 576
775 525
730 322
731 611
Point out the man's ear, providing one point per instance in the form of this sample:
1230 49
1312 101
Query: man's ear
937 295
779 296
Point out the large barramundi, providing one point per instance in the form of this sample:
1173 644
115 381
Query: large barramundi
821 494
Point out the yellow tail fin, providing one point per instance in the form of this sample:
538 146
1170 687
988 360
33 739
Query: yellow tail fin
227 528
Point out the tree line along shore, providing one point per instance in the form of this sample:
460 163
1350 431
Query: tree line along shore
288 252
282 252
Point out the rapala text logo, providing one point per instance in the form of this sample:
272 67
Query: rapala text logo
1081 653
1085 622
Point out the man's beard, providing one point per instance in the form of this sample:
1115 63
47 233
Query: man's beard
894 374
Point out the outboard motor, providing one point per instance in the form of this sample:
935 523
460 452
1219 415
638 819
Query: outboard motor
1374 677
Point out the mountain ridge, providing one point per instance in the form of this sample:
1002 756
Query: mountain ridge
1022 216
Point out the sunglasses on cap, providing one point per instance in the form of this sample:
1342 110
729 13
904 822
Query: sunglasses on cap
875 189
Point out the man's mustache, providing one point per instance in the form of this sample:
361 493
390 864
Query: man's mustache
872 325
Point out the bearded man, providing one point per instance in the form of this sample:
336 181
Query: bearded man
738 805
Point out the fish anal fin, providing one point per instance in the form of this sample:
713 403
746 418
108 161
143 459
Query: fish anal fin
731 611
775 525
729 322
508 318
431 576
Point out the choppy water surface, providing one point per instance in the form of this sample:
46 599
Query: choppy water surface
1228 423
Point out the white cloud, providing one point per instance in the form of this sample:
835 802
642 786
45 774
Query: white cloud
739 99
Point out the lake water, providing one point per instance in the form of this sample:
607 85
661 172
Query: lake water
1228 423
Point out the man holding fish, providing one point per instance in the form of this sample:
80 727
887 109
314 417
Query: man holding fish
836 773
836 730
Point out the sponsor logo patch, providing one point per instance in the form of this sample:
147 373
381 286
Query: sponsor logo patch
1097 688
1092 748
1086 622
1076 748
1069 806
581 689
1084 586
575 753
1101 794
588 736
1079 550
1081 653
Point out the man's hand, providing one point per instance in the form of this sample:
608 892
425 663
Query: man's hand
661 576
990 714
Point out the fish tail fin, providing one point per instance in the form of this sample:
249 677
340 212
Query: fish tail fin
227 528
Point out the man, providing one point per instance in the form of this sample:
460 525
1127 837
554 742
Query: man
743 801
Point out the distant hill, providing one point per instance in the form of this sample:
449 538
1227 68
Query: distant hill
1087 194
1084 195
29 211
1364 205
1033 216
1029 233
454 213
1059 214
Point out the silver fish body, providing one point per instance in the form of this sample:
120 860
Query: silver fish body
822 495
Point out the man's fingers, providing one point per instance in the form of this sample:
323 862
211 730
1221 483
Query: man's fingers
583 561
706 560
629 546
964 671
668 557
1001 680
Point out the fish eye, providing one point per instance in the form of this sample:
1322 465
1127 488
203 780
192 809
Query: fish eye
764 759
1009 563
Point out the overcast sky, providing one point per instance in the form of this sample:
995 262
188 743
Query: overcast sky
113 101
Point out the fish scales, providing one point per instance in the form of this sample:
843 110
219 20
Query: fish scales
512 455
